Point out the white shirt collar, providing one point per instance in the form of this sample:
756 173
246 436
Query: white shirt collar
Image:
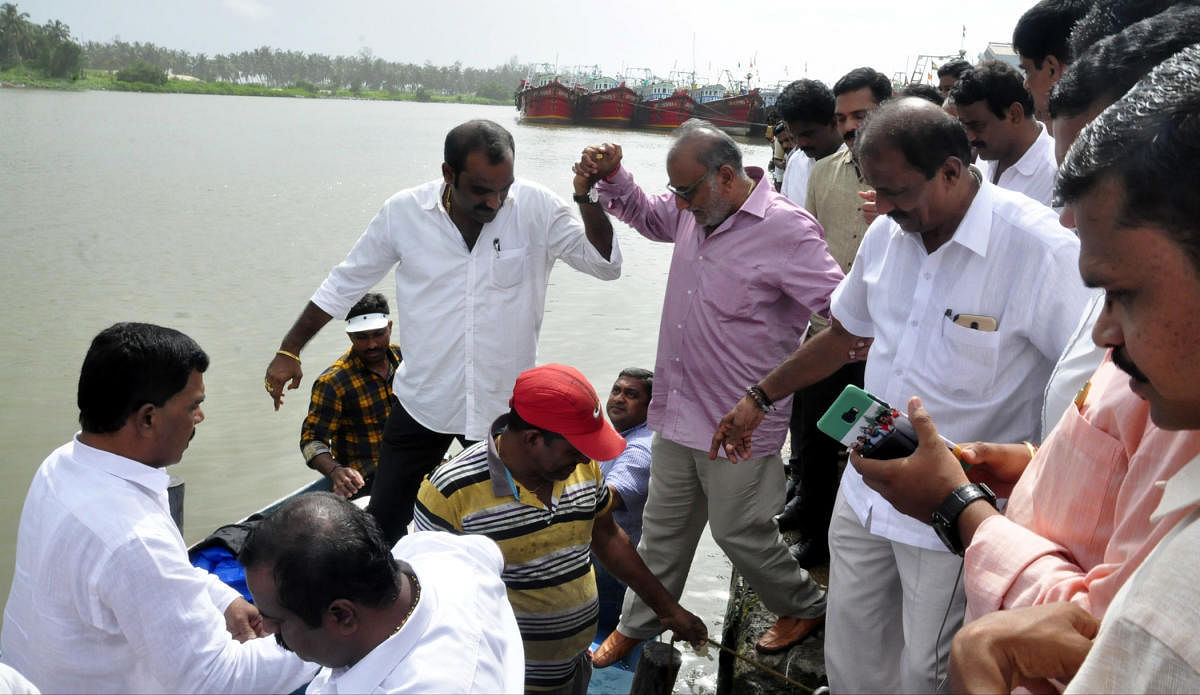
975 228
1180 491
1033 157
389 655
153 479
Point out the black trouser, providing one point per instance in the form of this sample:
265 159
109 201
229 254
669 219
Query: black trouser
815 455
408 454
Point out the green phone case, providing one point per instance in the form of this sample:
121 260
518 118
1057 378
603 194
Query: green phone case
857 418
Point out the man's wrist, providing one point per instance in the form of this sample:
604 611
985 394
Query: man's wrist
760 398
972 517
588 196
947 516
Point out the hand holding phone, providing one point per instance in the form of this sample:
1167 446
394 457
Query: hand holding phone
871 427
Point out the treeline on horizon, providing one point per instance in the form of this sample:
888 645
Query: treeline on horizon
22 42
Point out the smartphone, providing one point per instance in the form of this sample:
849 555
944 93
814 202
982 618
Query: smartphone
870 426
977 322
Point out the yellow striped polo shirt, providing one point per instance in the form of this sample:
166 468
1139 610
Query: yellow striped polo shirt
547 570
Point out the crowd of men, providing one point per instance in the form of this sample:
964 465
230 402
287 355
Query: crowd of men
1010 259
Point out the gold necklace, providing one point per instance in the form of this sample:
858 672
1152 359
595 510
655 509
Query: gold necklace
412 606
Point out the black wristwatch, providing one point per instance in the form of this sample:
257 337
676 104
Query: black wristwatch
592 197
945 519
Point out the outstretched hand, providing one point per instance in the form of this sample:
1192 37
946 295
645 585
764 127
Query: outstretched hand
915 485
282 370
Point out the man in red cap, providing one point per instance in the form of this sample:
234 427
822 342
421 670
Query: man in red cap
534 488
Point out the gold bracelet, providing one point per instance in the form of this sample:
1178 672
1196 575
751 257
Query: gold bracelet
285 353
1032 449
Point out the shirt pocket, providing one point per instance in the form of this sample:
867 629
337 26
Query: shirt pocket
967 358
1055 499
728 294
508 267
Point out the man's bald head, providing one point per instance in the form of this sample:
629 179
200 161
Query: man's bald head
924 133
706 144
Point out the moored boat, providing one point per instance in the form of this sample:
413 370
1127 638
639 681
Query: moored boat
664 113
546 99
737 114
606 103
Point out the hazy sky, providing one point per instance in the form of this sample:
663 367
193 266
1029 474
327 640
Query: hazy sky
827 39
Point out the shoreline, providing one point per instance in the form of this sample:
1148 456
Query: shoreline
103 81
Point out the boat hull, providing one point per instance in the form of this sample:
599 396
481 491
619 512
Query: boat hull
737 114
665 114
552 103
611 108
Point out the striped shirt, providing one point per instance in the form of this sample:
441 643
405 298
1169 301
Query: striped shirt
350 403
547 569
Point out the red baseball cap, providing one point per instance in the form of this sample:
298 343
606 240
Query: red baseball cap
557 398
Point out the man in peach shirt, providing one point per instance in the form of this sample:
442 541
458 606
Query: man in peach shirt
1078 521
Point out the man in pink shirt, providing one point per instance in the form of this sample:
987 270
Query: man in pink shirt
749 268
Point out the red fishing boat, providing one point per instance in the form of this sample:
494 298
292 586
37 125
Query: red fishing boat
665 113
606 103
545 99
736 114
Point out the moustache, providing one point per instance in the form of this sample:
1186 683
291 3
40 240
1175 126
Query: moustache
1121 358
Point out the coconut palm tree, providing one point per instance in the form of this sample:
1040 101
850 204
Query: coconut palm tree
17 34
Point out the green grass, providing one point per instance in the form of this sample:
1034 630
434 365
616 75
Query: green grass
102 79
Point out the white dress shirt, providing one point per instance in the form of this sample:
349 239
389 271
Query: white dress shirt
104 599
1033 174
13 683
467 320
1075 366
1147 641
461 638
795 176
1009 260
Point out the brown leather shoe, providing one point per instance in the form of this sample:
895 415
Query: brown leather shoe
615 647
787 632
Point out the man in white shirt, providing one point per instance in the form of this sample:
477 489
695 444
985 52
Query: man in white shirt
473 253
807 106
103 597
997 111
970 293
1128 184
430 615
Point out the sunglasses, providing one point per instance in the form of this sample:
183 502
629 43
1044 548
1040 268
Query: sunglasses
687 192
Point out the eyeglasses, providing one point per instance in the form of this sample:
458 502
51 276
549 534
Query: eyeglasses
687 192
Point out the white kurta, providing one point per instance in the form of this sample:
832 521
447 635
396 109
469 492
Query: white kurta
104 599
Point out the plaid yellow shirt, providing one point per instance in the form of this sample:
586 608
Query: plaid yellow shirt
349 407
